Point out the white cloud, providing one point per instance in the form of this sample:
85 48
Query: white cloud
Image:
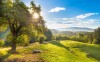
85 15
79 17
57 9
78 21
54 25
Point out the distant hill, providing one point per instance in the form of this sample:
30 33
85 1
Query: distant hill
54 31
71 31
78 29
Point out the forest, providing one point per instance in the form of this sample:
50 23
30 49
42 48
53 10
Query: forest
25 37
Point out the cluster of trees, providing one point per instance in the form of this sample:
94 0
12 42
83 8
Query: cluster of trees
25 23
97 35
87 37
81 37
60 37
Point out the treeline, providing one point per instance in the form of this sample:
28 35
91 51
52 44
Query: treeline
87 37
25 40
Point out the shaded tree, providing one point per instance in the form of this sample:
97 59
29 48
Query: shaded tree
97 35
48 35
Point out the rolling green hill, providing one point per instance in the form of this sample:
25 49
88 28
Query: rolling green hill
63 51
70 51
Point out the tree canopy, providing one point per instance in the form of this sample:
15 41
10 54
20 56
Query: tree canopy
20 19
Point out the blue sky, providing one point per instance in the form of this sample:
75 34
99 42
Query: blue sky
69 13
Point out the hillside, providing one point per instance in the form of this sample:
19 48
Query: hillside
64 51
68 33
85 29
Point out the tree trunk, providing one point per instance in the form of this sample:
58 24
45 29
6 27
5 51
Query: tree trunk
13 45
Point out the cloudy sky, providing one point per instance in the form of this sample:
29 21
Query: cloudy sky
70 13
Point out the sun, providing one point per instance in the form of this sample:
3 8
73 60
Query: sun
36 15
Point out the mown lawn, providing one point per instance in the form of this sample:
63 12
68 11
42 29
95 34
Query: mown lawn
63 51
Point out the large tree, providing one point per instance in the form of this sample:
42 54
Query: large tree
18 18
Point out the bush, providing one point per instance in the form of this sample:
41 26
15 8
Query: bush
34 38
94 42
75 38
60 37
23 40
1 43
41 38
8 40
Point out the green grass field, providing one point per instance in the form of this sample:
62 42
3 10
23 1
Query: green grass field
63 51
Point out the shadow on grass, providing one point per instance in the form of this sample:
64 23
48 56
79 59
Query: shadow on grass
61 45
92 51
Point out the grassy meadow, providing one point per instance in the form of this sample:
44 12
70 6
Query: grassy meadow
63 51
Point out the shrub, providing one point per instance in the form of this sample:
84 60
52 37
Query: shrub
23 40
60 37
1 43
8 40
41 38
75 38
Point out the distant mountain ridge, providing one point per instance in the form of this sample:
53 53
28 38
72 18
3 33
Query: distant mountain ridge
77 29
70 31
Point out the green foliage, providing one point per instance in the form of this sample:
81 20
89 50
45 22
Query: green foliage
19 19
1 43
48 35
1 8
79 52
60 37
75 38
97 35
86 38
41 38
23 40
8 40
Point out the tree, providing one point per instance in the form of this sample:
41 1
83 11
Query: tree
48 35
97 35
1 8
90 37
18 19
40 23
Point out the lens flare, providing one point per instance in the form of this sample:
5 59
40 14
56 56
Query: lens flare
36 15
